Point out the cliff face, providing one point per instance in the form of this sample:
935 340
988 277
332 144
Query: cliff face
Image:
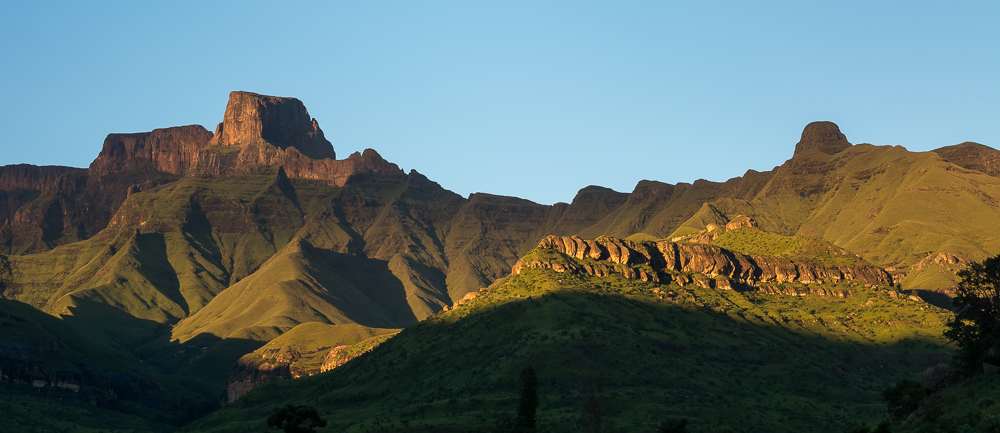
261 157
282 122
665 260
32 177
168 150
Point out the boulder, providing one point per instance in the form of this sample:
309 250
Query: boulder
940 376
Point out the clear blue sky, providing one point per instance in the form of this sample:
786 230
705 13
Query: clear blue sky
535 99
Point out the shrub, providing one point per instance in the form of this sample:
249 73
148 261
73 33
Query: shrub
291 417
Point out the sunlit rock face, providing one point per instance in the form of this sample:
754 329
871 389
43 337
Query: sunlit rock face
167 150
282 122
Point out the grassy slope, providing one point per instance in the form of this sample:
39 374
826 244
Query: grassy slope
294 287
743 360
27 413
891 206
753 241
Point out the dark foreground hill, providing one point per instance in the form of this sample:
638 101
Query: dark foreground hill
184 253
744 360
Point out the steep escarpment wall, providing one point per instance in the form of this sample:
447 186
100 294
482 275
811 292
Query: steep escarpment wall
167 150
666 259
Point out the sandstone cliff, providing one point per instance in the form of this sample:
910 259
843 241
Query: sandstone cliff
282 122
666 262
168 150
32 177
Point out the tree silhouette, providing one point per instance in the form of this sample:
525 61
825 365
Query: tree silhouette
976 325
291 417
527 402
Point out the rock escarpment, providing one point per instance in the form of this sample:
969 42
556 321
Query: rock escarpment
260 132
168 150
29 177
666 262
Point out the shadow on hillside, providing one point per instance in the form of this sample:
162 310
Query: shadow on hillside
936 299
112 372
155 266
724 370
374 279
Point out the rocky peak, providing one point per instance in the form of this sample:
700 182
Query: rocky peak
822 136
282 122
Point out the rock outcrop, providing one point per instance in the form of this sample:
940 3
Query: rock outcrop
940 376
662 261
168 150
824 137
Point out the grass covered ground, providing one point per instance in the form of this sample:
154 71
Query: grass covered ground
756 242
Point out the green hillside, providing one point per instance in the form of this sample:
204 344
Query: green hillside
741 360
901 210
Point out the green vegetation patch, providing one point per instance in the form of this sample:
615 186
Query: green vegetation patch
756 242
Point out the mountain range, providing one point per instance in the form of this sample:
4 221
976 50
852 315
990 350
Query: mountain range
184 268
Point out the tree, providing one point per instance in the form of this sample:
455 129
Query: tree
527 402
903 398
291 417
976 325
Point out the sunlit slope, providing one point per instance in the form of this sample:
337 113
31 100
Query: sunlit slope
725 358
905 211
296 286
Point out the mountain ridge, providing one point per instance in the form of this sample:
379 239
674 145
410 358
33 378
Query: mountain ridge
189 249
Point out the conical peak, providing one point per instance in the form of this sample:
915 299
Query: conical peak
824 137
